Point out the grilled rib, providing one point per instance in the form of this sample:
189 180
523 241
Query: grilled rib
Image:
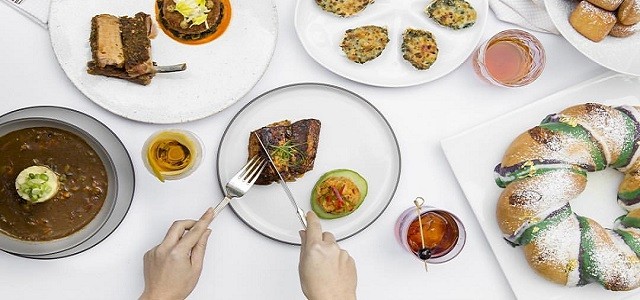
106 44
121 48
136 45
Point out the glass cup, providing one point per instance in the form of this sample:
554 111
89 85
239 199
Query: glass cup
444 234
511 58
168 167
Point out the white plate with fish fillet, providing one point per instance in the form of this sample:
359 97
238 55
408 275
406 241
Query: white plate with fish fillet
617 54
371 150
218 73
321 33
475 176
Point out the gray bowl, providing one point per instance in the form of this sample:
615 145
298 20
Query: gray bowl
117 163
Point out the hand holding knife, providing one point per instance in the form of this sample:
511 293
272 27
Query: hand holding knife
299 211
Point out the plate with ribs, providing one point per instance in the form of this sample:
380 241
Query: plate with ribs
116 54
318 121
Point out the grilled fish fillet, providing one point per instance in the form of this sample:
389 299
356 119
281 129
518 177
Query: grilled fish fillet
292 146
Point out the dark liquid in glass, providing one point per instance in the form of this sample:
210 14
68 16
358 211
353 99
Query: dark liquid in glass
440 233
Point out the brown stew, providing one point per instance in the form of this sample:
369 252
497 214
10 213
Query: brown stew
82 176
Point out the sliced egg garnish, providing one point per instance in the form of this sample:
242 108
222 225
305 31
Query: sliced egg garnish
37 184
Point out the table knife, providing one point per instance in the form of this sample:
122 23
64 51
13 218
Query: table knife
283 184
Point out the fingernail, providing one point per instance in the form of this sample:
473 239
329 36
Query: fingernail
209 211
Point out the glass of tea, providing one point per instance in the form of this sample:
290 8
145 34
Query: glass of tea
511 58
442 233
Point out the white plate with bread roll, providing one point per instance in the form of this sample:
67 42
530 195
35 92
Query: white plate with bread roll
476 178
619 54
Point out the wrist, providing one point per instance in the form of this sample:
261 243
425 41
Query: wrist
349 296
146 295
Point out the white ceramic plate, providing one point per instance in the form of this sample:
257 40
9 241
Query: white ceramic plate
354 135
321 33
490 140
618 54
218 73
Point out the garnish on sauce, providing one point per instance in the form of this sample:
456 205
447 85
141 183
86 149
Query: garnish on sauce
194 12
193 21
172 154
37 184
338 193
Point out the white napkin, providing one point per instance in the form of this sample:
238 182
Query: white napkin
529 14
36 10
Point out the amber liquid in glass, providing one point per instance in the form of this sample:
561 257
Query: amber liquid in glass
440 233
508 60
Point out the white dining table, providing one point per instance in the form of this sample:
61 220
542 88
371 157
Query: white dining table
240 263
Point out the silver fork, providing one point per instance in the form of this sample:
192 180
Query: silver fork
240 183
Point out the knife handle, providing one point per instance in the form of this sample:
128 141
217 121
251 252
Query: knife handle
301 217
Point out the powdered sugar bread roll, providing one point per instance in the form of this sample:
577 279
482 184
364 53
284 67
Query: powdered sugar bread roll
545 168
629 12
609 5
591 21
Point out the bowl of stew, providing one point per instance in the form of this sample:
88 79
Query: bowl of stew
92 197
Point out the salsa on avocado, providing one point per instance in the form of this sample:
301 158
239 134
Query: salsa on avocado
338 193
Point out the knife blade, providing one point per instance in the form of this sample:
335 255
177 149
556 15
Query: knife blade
283 184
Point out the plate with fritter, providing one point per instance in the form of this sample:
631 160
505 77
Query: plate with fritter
218 73
309 130
369 46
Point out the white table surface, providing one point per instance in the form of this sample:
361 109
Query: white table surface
240 263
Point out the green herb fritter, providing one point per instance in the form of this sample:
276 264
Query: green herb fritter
419 48
344 8
455 14
365 43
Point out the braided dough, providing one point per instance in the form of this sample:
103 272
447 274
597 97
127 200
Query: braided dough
545 167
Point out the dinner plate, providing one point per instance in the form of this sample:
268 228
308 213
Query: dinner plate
475 176
218 73
354 135
618 54
117 163
321 33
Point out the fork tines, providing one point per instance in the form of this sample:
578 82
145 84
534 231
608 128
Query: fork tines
253 169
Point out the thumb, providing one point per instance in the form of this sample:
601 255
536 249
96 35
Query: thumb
303 237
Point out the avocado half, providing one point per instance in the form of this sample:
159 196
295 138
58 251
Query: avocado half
358 180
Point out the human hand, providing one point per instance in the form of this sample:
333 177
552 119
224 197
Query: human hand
172 269
326 271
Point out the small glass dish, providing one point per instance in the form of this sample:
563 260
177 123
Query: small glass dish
172 154
511 58
443 233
